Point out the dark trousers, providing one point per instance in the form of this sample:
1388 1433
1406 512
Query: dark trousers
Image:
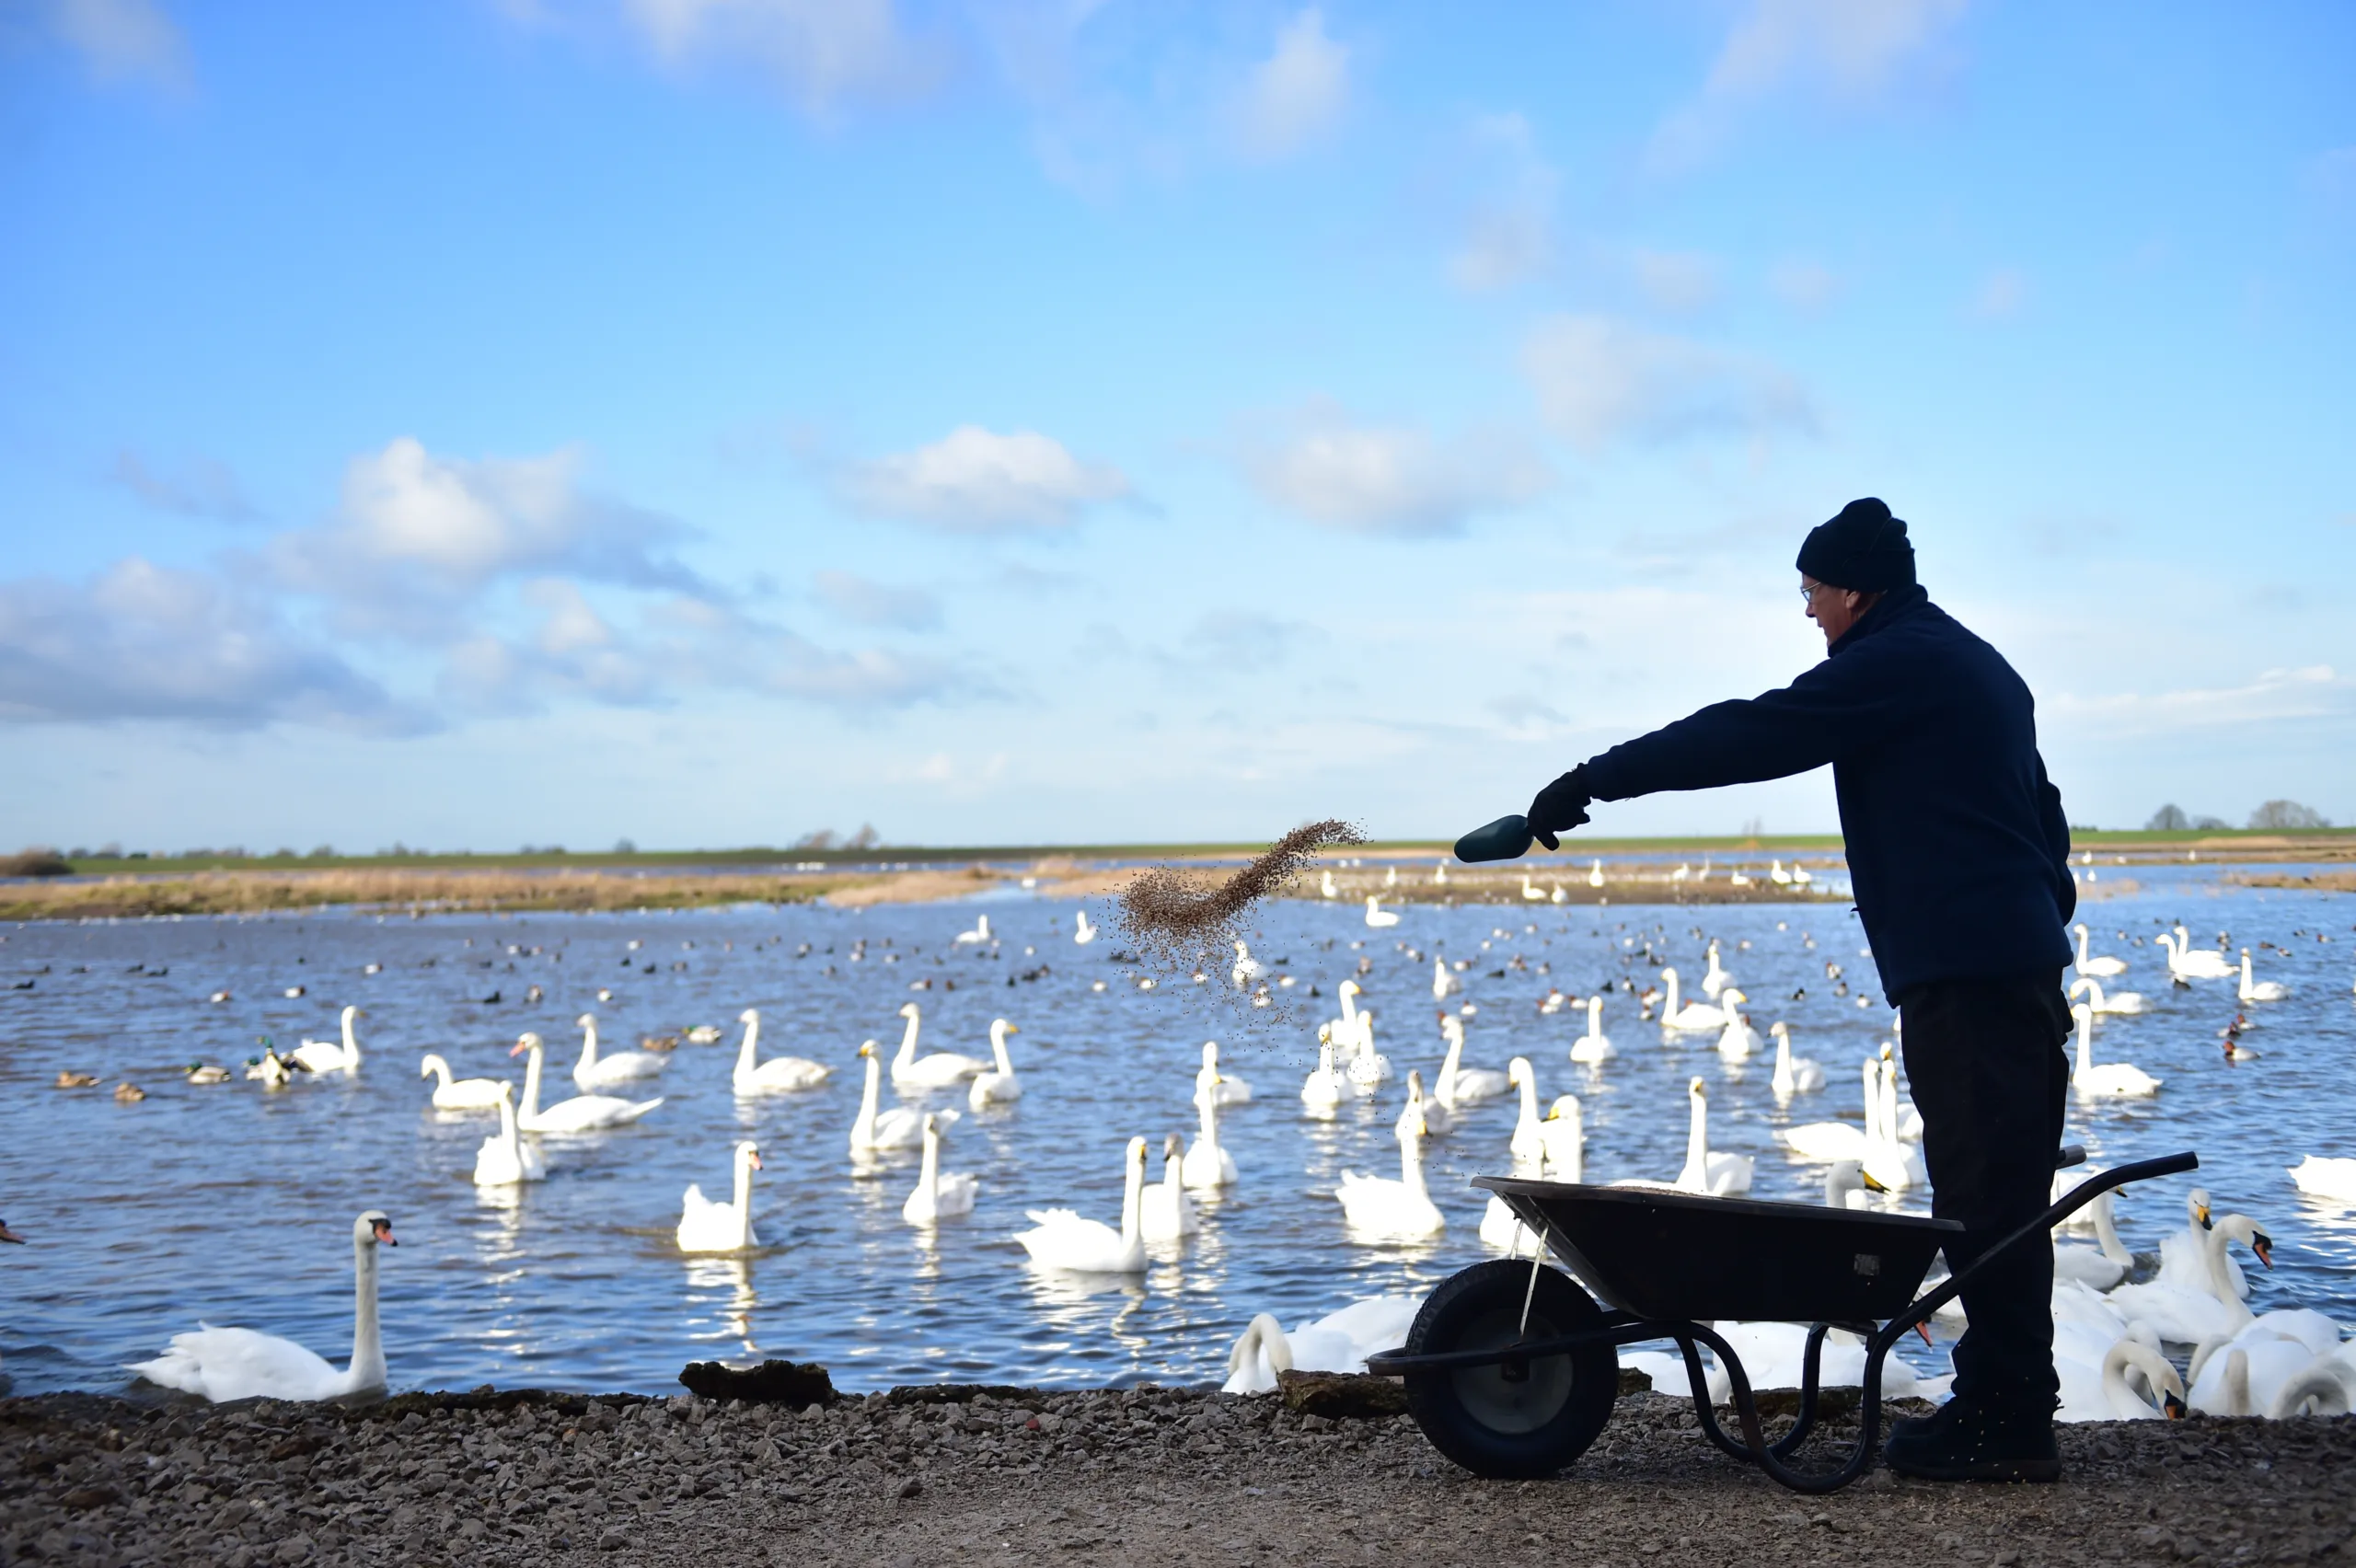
1985 1061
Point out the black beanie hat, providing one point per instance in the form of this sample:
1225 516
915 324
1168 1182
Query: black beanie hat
1864 548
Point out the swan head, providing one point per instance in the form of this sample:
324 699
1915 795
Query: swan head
425 1068
2241 1229
350 1013
373 1230
1210 1055
1518 1071
1413 1128
1696 1090
1135 1158
2195 1206
506 1091
586 1021
1172 1148
866 1048
2082 1013
1565 1109
528 1040
750 1015
1346 988
1886 1052
749 1152
1730 997
907 1010
1668 973
1779 1029
1241 951
1415 1086
1000 1028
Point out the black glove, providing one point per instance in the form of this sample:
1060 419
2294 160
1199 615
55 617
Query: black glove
1560 807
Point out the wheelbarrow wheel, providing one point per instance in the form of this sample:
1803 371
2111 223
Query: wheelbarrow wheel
1518 1420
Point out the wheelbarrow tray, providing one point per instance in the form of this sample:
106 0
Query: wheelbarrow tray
1662 1254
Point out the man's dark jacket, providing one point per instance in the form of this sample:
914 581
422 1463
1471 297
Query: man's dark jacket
1957 849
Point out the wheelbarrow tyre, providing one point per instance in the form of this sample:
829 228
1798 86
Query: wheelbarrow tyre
1505 1422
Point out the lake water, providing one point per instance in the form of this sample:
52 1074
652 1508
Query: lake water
233 1205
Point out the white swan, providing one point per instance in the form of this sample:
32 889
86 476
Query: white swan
779 1074
1444 985
1887 1156
1594 1047
1694 1016
1595 874
1839 1140
1169 1213
1439 1120
326 1055
1207 1165
2103 1265
1899 1119
1715 1173
1228 1089
1738 1039
2321 1178
1565 1140
898 1127
1846 1184
2110 1080
999 1086
939 1070
593 1072
1082 932
2188 963
708 1226
220 1365
1060 1239
938 1195
1794 1075
2188 1314
2122 1002
1325 888
980 933
1376 1208
1458 1084
1377 916
1325 1088
460 1094
1370 1067
2098 968
582 1114
1247 968
1529 1142
1716 979
2101 1392
2263 990
1339 1341
505 1158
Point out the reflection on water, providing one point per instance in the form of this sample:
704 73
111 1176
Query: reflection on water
234 1203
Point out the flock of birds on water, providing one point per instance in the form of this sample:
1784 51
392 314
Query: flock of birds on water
2114 1311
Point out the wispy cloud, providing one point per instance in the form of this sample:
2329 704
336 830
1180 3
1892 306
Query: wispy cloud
202 488
1298 95
1399 480
823 53
1681 282
1601 382
2309 692
1805 287
123 39
875 604
2001 295
1508 226
977 481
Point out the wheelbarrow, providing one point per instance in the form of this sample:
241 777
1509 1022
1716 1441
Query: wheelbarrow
1511 1368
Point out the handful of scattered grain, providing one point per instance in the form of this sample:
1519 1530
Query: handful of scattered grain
1179 921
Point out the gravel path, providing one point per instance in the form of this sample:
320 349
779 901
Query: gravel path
1110 1477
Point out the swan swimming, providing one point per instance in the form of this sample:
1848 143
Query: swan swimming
582 1114
1715 1173
1716 979
1693 1016
1839 1140
1594 1048
594 1072
898 1127
1082 932
461 1094
2122 1002
779 1074
2323 1177
2108 1079
1376 1208
1339 1341
1206 1164
1226 1087
504 1158
1458 1084
939 1070
1565 1140
1169 1213
938 1195
1528 1144
1794 1075
1325 1088
1736 1042
1377 916
220 1365
1060 1239
708 1226
2186 962
999 1086
2263 990
980 933
2098 968
326 1055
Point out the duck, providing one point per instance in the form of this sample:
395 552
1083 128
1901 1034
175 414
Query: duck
327 1055
2120 1002
938 1195
462 1094
222 1365
271 1069
594 1072
1082 932
1714 1174
1738 1039
2110 1080
2320 1177
871 1129
129 1093
1377 916
706 1227
1169 1213
1527 1143
206 1072
70 1079
2261 991
1695 1016
779 1074
1594 1048
1325 1088
1839 1140
1376 1208
504 1159
2187 963
2096 968
980 933
701 1034
1339 1341
997 1086
1439 1120
1794 1075
1061 1239
939 1070
1228 1089
582 1114
1716 979
1457 1085
1207 1165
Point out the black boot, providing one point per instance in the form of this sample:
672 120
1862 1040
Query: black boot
1913 1428
1975 1444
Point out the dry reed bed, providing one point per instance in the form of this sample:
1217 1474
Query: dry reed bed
244 893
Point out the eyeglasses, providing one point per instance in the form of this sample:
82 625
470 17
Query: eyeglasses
1808 590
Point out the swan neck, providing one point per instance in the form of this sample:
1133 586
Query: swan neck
2120 1395
367 1369
532 1083
2107 1233
864 1128
929 1177
352 1041
745 1201
1528 1122
746 1053
908 1044
1697 1140
1206 1107
589 1044
997 1049
1411 1164
1132 1201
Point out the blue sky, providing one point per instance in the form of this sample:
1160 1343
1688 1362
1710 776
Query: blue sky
492 421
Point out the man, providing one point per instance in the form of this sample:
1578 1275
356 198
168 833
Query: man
1959 855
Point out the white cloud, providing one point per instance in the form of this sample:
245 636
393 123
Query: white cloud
1600 381
875 604
145 641
1298 94
2000 295
977 481
201 488
1854 50
822 52
1679 281
1238 642
1395 479
1804 285
1508 232
2313 691
123 39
